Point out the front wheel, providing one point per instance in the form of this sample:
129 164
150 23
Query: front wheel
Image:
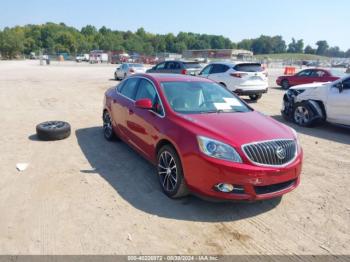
303 115
255 97
107 127
170 173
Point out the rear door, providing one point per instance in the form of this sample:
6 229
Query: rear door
338 104
123 106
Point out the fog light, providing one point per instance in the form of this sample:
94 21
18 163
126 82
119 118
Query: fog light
226 188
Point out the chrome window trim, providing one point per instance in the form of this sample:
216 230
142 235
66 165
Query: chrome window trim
132 100
272 140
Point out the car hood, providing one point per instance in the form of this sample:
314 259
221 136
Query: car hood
311 85
238 128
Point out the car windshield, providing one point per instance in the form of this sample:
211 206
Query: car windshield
192 65
136 65
201 97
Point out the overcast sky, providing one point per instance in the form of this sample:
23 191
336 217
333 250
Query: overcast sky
310 20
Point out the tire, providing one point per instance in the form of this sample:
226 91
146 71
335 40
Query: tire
255 97
108 131
223 84
170 173
116 77
53 130
285 84
303 115
125 75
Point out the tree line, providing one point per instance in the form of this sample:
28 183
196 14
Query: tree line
55 38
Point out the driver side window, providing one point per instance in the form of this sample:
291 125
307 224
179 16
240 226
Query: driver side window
206 70
160 66
304 73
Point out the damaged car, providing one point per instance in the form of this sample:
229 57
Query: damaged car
310 104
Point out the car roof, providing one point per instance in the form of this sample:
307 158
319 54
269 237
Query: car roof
231 64
172 77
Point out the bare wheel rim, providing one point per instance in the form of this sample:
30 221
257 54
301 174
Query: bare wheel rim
107 125
167 171
53 124
301 115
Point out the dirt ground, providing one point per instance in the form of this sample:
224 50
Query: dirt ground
84 195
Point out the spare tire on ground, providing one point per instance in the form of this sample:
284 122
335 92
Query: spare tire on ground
53 130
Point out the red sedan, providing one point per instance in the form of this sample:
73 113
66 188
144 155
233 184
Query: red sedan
306 76
202 138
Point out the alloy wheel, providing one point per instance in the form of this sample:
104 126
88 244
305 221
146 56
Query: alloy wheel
107 126
301 115
167 171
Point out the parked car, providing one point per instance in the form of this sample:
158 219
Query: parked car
177 67
310 104
242 78
82 57
127 69
203 138
307 76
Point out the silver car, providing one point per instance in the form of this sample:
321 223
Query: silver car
127 69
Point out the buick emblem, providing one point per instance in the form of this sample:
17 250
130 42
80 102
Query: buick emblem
280 153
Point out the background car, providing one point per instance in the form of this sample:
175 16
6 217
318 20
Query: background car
242 78
177 67
309 104
307 76
127 69
202 138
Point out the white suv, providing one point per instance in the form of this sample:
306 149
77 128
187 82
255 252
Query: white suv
309 104
242 78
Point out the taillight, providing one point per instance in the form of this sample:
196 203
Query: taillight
238 75
131 70
184 71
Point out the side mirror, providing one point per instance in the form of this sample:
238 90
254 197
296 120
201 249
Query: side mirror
144 103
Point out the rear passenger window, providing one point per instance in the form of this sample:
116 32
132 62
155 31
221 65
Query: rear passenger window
218 68
129 88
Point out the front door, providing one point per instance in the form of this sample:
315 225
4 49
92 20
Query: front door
338 104
144 124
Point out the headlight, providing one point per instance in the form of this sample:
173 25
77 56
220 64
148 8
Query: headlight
296 136
216 149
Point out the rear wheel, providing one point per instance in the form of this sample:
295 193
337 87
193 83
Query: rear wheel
170 173
285 84
255 97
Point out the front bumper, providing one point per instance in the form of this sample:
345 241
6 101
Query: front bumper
203 173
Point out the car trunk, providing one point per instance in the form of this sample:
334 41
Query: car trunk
250 74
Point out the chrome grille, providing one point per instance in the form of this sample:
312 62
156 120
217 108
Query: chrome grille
271 153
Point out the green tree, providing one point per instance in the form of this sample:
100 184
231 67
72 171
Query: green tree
322 47
309 50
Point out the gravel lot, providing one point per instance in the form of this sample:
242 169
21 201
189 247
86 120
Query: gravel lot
84 195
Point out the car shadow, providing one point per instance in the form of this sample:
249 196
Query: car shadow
134 179
326 131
